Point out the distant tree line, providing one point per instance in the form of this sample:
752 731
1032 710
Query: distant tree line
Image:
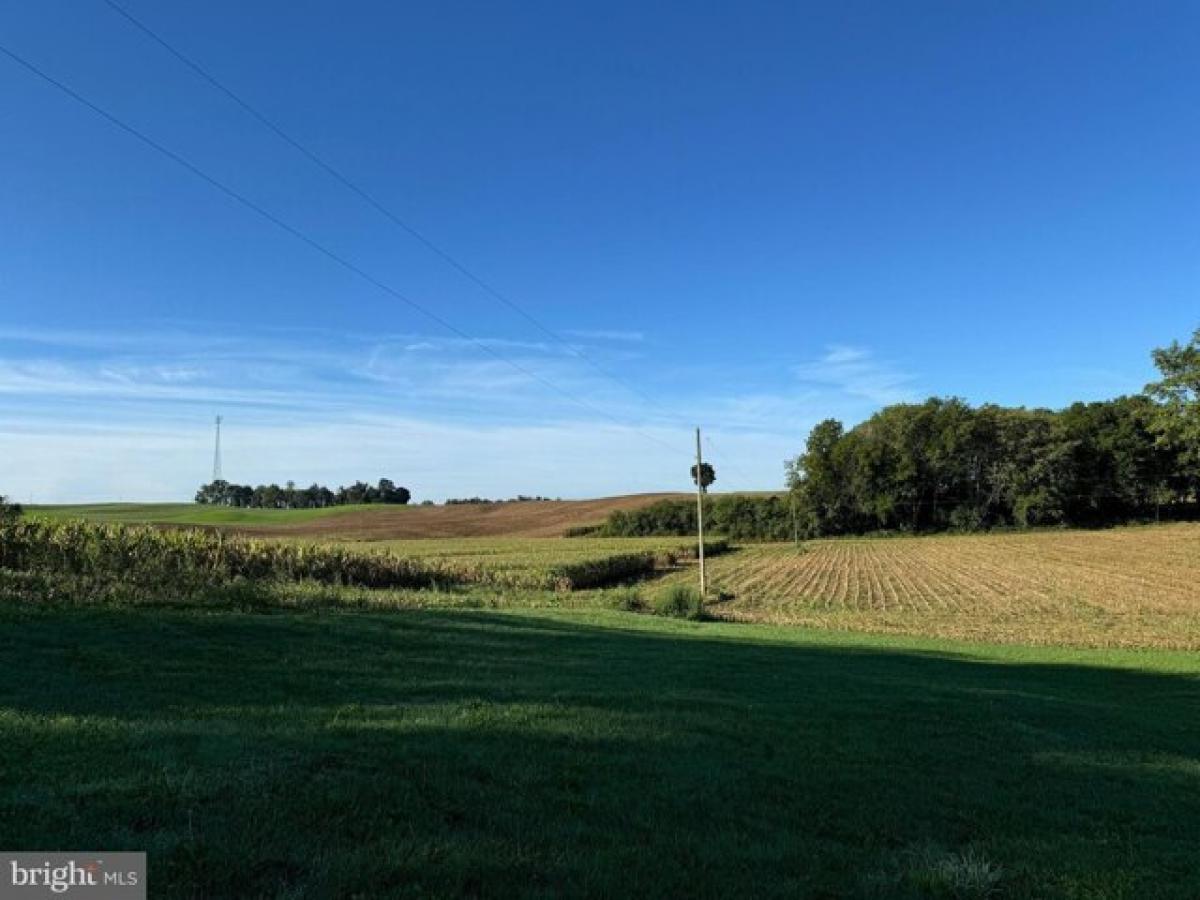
272 496
942 464
945 465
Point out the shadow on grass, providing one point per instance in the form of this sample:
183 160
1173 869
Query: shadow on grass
465 754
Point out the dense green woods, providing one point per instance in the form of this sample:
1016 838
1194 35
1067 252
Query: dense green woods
942 464
945 465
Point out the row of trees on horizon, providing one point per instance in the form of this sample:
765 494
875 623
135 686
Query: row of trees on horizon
942 464
316 496
945 465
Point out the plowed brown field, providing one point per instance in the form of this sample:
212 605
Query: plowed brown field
544 518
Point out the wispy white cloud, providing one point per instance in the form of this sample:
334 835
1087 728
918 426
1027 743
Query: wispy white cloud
605 334
51 379
157 340
856 372
94 416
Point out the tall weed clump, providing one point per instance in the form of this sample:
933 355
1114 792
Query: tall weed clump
680 601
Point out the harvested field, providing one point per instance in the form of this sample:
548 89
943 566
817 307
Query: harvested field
1124 587
525 551
545 518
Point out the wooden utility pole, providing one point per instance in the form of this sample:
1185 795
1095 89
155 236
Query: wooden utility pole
700 512
795 524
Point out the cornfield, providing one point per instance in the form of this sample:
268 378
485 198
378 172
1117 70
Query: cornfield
145 559
46 558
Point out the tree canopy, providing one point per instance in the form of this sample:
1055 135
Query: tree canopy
1177 422
945 465
9 510
272 496
707 476
942 464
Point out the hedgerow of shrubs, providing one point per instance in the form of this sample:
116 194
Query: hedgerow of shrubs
570 576
735 516
712 547
606 570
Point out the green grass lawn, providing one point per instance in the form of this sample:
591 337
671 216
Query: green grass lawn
468 753
190 513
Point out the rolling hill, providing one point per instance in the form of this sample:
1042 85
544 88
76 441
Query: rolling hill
546 518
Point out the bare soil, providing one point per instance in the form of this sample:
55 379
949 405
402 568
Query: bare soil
539 518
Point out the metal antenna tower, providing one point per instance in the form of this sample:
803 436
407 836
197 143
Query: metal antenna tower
217 453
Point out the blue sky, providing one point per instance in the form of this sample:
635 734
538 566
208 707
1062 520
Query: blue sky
757 214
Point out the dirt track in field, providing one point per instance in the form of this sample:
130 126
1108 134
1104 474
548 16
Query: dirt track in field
542 518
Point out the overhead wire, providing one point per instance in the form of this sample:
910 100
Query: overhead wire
319 247
381 208
724 463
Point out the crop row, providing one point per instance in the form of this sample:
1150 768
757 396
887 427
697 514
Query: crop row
1124 587
1122 571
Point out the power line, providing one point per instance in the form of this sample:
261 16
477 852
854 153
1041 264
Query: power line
379 207
316 245
725 464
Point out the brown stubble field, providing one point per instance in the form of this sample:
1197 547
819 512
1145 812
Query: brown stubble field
1127 587
533 519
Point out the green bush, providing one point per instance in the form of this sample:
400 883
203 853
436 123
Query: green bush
712 547
628 599
680 601
592 573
